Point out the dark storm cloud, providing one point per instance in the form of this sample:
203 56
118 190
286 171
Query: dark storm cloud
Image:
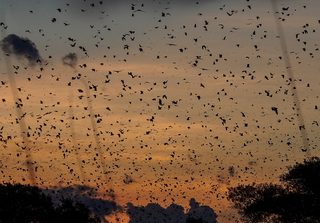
70 59
21 48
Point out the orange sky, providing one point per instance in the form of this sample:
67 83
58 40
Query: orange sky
175 129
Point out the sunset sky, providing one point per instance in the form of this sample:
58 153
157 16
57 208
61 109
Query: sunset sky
188 97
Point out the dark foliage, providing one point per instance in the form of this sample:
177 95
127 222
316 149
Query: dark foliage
20 203
297 199
194 220
304 177
154 213
85 195
25 204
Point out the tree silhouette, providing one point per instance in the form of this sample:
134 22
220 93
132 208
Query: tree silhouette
296 199
20 203
25 204
194 220
174 213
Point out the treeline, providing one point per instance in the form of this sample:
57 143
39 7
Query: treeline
296 199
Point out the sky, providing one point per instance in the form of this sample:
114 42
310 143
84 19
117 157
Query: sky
162 101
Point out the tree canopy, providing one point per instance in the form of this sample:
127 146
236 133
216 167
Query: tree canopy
295 199
25 204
